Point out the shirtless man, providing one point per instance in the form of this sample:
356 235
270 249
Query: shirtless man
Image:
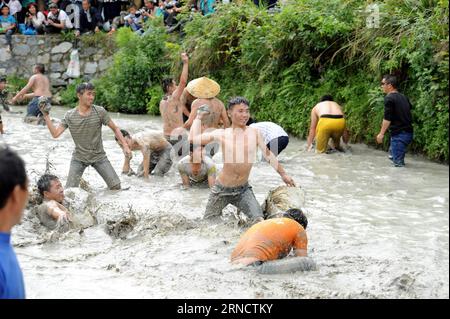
197 169
186 101
205 91
155 151
171 108
40 85
239 144
327 121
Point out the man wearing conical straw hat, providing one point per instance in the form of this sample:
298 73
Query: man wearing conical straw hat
205 91
239 148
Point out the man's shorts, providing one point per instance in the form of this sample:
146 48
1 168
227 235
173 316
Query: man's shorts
160 162
329 126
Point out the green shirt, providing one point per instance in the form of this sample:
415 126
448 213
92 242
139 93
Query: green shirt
87 133
25 3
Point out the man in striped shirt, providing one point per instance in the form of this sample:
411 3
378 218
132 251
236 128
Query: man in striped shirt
85 125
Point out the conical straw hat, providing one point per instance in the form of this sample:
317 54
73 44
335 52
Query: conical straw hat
203 88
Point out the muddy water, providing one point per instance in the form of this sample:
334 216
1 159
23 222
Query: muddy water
375 231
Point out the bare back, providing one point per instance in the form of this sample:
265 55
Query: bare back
239 153
172 114
152 140
40 85
328 107
217 110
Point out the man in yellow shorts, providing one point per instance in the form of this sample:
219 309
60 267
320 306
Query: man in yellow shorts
327 121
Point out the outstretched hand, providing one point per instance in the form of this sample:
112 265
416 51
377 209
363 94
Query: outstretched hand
288 180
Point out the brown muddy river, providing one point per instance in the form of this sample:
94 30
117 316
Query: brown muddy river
375 231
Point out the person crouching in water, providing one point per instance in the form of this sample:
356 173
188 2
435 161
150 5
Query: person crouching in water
52 212
156 152
272 239
196 168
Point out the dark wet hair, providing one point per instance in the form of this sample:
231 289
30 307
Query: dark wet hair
2 79
125 133
237 100
326 97
12 173
40 67
391 79
45 182
85 86
32 5
166 83
297 215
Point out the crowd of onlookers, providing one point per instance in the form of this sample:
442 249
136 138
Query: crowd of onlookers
32 17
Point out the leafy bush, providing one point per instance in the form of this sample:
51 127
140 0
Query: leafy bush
15 83
69 95
131 82
284 62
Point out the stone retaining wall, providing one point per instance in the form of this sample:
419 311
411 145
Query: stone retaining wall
54 53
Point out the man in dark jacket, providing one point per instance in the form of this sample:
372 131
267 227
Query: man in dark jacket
90 19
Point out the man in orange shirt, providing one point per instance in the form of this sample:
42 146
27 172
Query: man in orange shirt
273 239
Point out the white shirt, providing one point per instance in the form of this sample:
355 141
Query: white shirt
63 17
269 130
14 6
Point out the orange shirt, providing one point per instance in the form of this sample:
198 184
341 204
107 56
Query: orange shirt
269 240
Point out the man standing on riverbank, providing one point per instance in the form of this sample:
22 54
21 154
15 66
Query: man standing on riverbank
170 106
239 144
13 198
40 85
85 125
398 118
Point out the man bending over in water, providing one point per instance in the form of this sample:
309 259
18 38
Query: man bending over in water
327 121
274 239
40 85
85 125
155 151
197 169
239 144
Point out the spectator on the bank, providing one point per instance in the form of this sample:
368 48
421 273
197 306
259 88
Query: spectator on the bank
206 6
134 19
57 20
21 13
90 19
7 25
110 10
34 19
14 7
151 10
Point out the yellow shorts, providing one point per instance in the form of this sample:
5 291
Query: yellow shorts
328 128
